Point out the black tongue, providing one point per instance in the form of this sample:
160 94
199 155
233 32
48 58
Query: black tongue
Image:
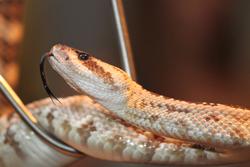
43 76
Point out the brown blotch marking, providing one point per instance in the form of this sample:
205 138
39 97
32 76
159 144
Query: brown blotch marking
50 118
66 126
183 123
154 117
170 108
85 129
212 117
98 70
119 146
142 103
128 89
9 140
159 105
145 102
131 94
151 103
207 118
185 111
77 107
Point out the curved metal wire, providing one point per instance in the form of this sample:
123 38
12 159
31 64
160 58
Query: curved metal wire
31 121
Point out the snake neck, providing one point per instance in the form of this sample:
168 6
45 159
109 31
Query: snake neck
130 98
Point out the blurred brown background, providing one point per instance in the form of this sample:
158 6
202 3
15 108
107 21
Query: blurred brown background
192 50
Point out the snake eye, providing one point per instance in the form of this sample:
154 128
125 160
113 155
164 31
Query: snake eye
82 55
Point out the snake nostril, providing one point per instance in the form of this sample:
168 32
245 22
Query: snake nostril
67 58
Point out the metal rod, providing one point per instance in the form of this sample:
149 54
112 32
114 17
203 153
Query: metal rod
124 41
31 121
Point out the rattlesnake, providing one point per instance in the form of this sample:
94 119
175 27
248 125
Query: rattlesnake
96 131
182 126
119 122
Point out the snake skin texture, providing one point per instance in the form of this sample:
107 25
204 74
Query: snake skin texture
215 126
88 127
19 146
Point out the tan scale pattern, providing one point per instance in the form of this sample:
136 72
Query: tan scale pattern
90 128
19 146
87 126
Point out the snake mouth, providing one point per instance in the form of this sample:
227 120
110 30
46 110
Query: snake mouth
43 76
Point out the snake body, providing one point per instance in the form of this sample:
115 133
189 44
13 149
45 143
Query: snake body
87 126
218 127
90 128
19 146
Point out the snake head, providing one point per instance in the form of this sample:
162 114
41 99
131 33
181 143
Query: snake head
85 73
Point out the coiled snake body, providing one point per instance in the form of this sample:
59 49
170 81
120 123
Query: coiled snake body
87 126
